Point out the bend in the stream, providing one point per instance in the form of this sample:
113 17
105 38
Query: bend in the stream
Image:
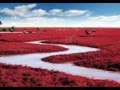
35 61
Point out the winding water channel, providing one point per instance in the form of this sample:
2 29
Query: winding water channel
35 61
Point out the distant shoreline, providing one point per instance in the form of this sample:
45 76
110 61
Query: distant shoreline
59 27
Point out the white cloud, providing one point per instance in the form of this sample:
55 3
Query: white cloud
27 16
39 12
27 10
59 12
75 12
35 22
106 18
102 21
19 10
55 11
24 11
99 21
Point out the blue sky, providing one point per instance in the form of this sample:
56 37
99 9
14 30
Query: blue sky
60 14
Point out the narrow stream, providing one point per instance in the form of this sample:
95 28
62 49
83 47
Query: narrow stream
35 61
